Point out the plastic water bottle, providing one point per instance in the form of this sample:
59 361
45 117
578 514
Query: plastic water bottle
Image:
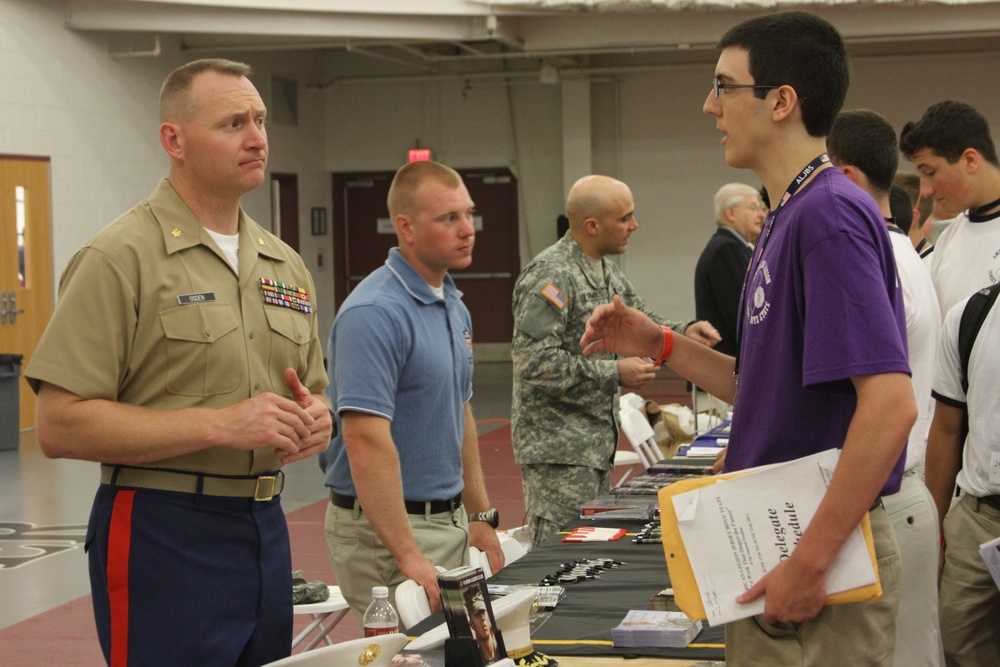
380 617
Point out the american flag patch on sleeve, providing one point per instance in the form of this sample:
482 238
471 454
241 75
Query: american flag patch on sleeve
554 295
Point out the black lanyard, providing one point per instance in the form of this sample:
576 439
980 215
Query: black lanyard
793 187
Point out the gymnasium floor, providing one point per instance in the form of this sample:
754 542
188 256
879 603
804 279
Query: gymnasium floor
45 614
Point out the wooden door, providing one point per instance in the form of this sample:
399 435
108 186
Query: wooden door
25 263
285 208
488 283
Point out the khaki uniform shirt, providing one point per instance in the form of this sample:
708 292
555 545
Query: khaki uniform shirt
150 313
565 405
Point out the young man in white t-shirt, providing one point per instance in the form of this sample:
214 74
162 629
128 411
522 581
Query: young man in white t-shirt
970 600
862 144
952 150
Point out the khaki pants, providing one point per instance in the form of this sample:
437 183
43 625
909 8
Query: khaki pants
970 600
856 634
360 561
914 520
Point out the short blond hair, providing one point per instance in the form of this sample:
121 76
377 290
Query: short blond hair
175 100
410 177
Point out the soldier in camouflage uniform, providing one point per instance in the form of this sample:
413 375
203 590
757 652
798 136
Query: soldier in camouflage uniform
565 417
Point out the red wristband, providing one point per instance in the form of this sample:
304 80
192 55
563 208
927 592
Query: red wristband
668 345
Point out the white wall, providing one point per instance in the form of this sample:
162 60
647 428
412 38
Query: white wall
297 149
63 96
673 161
95 116
478 124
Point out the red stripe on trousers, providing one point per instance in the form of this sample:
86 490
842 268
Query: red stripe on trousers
119 541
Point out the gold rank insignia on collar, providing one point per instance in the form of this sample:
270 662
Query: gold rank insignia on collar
285 296
176 233
260 241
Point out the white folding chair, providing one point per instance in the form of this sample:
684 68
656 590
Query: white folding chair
411 603
479 558
629 402
631 399
372 651
627 458
639 434
511 547
325 616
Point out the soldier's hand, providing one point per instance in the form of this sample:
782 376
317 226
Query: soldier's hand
634 372
703 332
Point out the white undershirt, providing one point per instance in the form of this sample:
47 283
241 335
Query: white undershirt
230 247
598 266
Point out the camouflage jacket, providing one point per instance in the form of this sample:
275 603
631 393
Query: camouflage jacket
564 404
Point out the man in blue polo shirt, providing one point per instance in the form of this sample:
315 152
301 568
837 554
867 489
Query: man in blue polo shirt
405 468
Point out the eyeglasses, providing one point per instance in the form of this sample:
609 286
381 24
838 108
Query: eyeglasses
718 86
754 208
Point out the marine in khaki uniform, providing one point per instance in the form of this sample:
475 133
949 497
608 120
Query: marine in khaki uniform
565 428
184 357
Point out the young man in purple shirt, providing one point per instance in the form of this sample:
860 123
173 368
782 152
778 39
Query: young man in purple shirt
822 359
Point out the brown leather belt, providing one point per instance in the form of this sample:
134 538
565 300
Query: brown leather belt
258 487
412 506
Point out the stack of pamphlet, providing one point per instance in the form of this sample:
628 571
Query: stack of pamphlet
707 444
661 474
641 627
635 498
621 507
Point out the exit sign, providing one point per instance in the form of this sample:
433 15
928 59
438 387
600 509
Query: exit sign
419 154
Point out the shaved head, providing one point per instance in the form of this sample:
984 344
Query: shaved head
601 215
593 197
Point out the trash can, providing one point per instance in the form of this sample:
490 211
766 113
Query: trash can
10 400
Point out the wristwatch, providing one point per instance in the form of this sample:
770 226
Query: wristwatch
490 516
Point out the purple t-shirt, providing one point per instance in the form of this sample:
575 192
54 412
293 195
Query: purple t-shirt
822 305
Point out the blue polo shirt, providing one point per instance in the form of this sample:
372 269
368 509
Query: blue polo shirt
400 352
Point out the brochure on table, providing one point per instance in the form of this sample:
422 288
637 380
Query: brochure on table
722 534
708 444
